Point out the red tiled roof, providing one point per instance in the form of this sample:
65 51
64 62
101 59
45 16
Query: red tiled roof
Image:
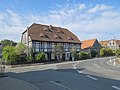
51 33
88 43
104 43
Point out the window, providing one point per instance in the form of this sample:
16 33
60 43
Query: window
37 50
78 47
37 46
57 37
45 46
68 55
69 38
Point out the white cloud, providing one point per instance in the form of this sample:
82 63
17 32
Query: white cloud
99 21
99 7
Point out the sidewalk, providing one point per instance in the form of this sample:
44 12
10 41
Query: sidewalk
36 67
8 83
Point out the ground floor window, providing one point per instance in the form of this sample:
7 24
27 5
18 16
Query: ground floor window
52 56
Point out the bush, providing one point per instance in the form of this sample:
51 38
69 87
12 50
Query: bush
77 56
118 53
84 55
106 52
9 55
29 58
40 56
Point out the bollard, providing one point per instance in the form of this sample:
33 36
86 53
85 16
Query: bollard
110 59
114 63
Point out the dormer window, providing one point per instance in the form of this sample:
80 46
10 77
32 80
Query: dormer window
47 29
59 31
50 28
57 37
69 38
43 35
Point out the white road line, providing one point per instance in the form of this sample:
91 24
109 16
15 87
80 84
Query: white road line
115 87
91 77
61 85
55 68
79 71
74 66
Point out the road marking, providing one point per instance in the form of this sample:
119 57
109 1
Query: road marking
55 68
74 66
91 77
61 85
115 87
79 71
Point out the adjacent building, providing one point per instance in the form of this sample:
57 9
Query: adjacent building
112 44
43 38
90 46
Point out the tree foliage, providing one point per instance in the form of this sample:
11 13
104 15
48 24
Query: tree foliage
118 52
58 50
40 56
29 58
9 54
106 52
7 42
20 48
74 53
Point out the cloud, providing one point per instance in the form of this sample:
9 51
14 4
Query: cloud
99 7
86 21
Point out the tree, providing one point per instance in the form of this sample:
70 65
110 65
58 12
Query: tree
20 48
40 56
74 53
7 42
58 50
118 52
9 54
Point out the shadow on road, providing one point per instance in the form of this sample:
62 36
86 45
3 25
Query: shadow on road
66 79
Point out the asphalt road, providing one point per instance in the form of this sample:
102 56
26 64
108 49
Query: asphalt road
92 74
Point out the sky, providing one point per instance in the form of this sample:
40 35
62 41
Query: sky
87 19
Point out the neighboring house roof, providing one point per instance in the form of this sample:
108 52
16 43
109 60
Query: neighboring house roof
118 42
88 43
104 43
41 32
